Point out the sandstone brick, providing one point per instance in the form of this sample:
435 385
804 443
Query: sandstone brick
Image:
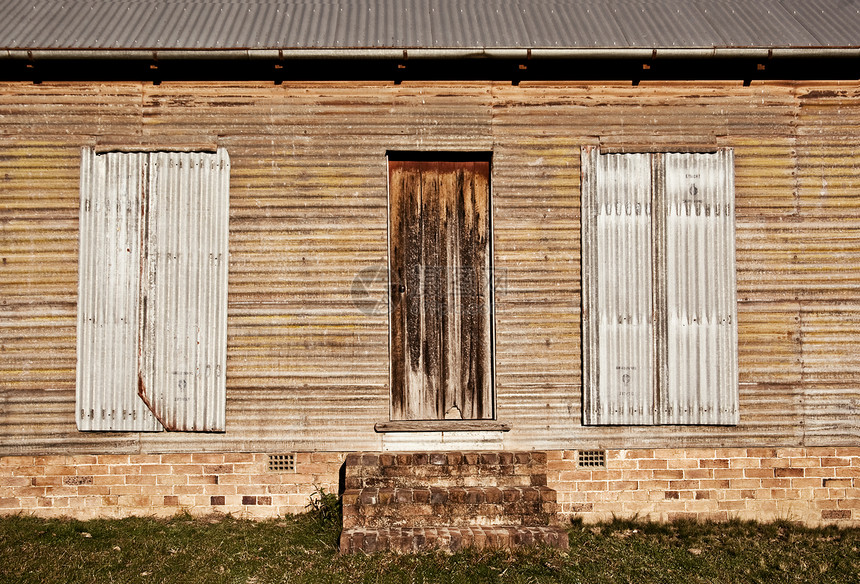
682 463
821 472
745 463
670 453
140 479
820 451
714 463
135 501
31 491
125 469
848 451
804 462
202 480
649 464
622 485
108 480
605 475
592 486
714 484
23 481
221 490
699 453
668 474
173 479
580 507
16 461
634 475
89 490
126 489
825 504
207 458
730 453
155 469
575 475
836 514
729 473
790 452
835 462
683 485
58 470
788 472
700 473
805 483
761 452
837 483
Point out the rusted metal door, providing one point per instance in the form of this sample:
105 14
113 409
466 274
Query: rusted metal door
440 290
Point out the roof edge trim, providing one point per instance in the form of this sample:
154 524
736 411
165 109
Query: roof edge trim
428 53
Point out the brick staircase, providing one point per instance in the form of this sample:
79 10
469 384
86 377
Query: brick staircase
448 500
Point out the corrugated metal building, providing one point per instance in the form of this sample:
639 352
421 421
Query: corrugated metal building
337 226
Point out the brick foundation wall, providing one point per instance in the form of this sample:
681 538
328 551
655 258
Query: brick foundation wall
812 485
91 486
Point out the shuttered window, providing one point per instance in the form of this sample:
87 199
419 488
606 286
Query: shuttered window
152 293
659 293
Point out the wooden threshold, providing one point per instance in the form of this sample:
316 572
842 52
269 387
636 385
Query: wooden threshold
442 426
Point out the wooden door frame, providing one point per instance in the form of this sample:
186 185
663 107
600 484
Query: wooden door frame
489 423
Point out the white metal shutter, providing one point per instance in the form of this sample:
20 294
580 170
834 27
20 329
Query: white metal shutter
152 307
701 322
112 188
184 296
659 291
619 303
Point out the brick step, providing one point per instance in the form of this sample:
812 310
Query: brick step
465 469
451 506
450 539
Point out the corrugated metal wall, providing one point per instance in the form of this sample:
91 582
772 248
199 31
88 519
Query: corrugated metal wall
307 362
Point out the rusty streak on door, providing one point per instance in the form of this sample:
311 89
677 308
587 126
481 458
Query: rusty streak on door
440 262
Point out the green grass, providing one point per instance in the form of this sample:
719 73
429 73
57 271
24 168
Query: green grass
303 549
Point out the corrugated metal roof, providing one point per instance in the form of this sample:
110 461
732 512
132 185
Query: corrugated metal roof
373 24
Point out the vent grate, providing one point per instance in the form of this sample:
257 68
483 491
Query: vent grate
591 459
282 462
